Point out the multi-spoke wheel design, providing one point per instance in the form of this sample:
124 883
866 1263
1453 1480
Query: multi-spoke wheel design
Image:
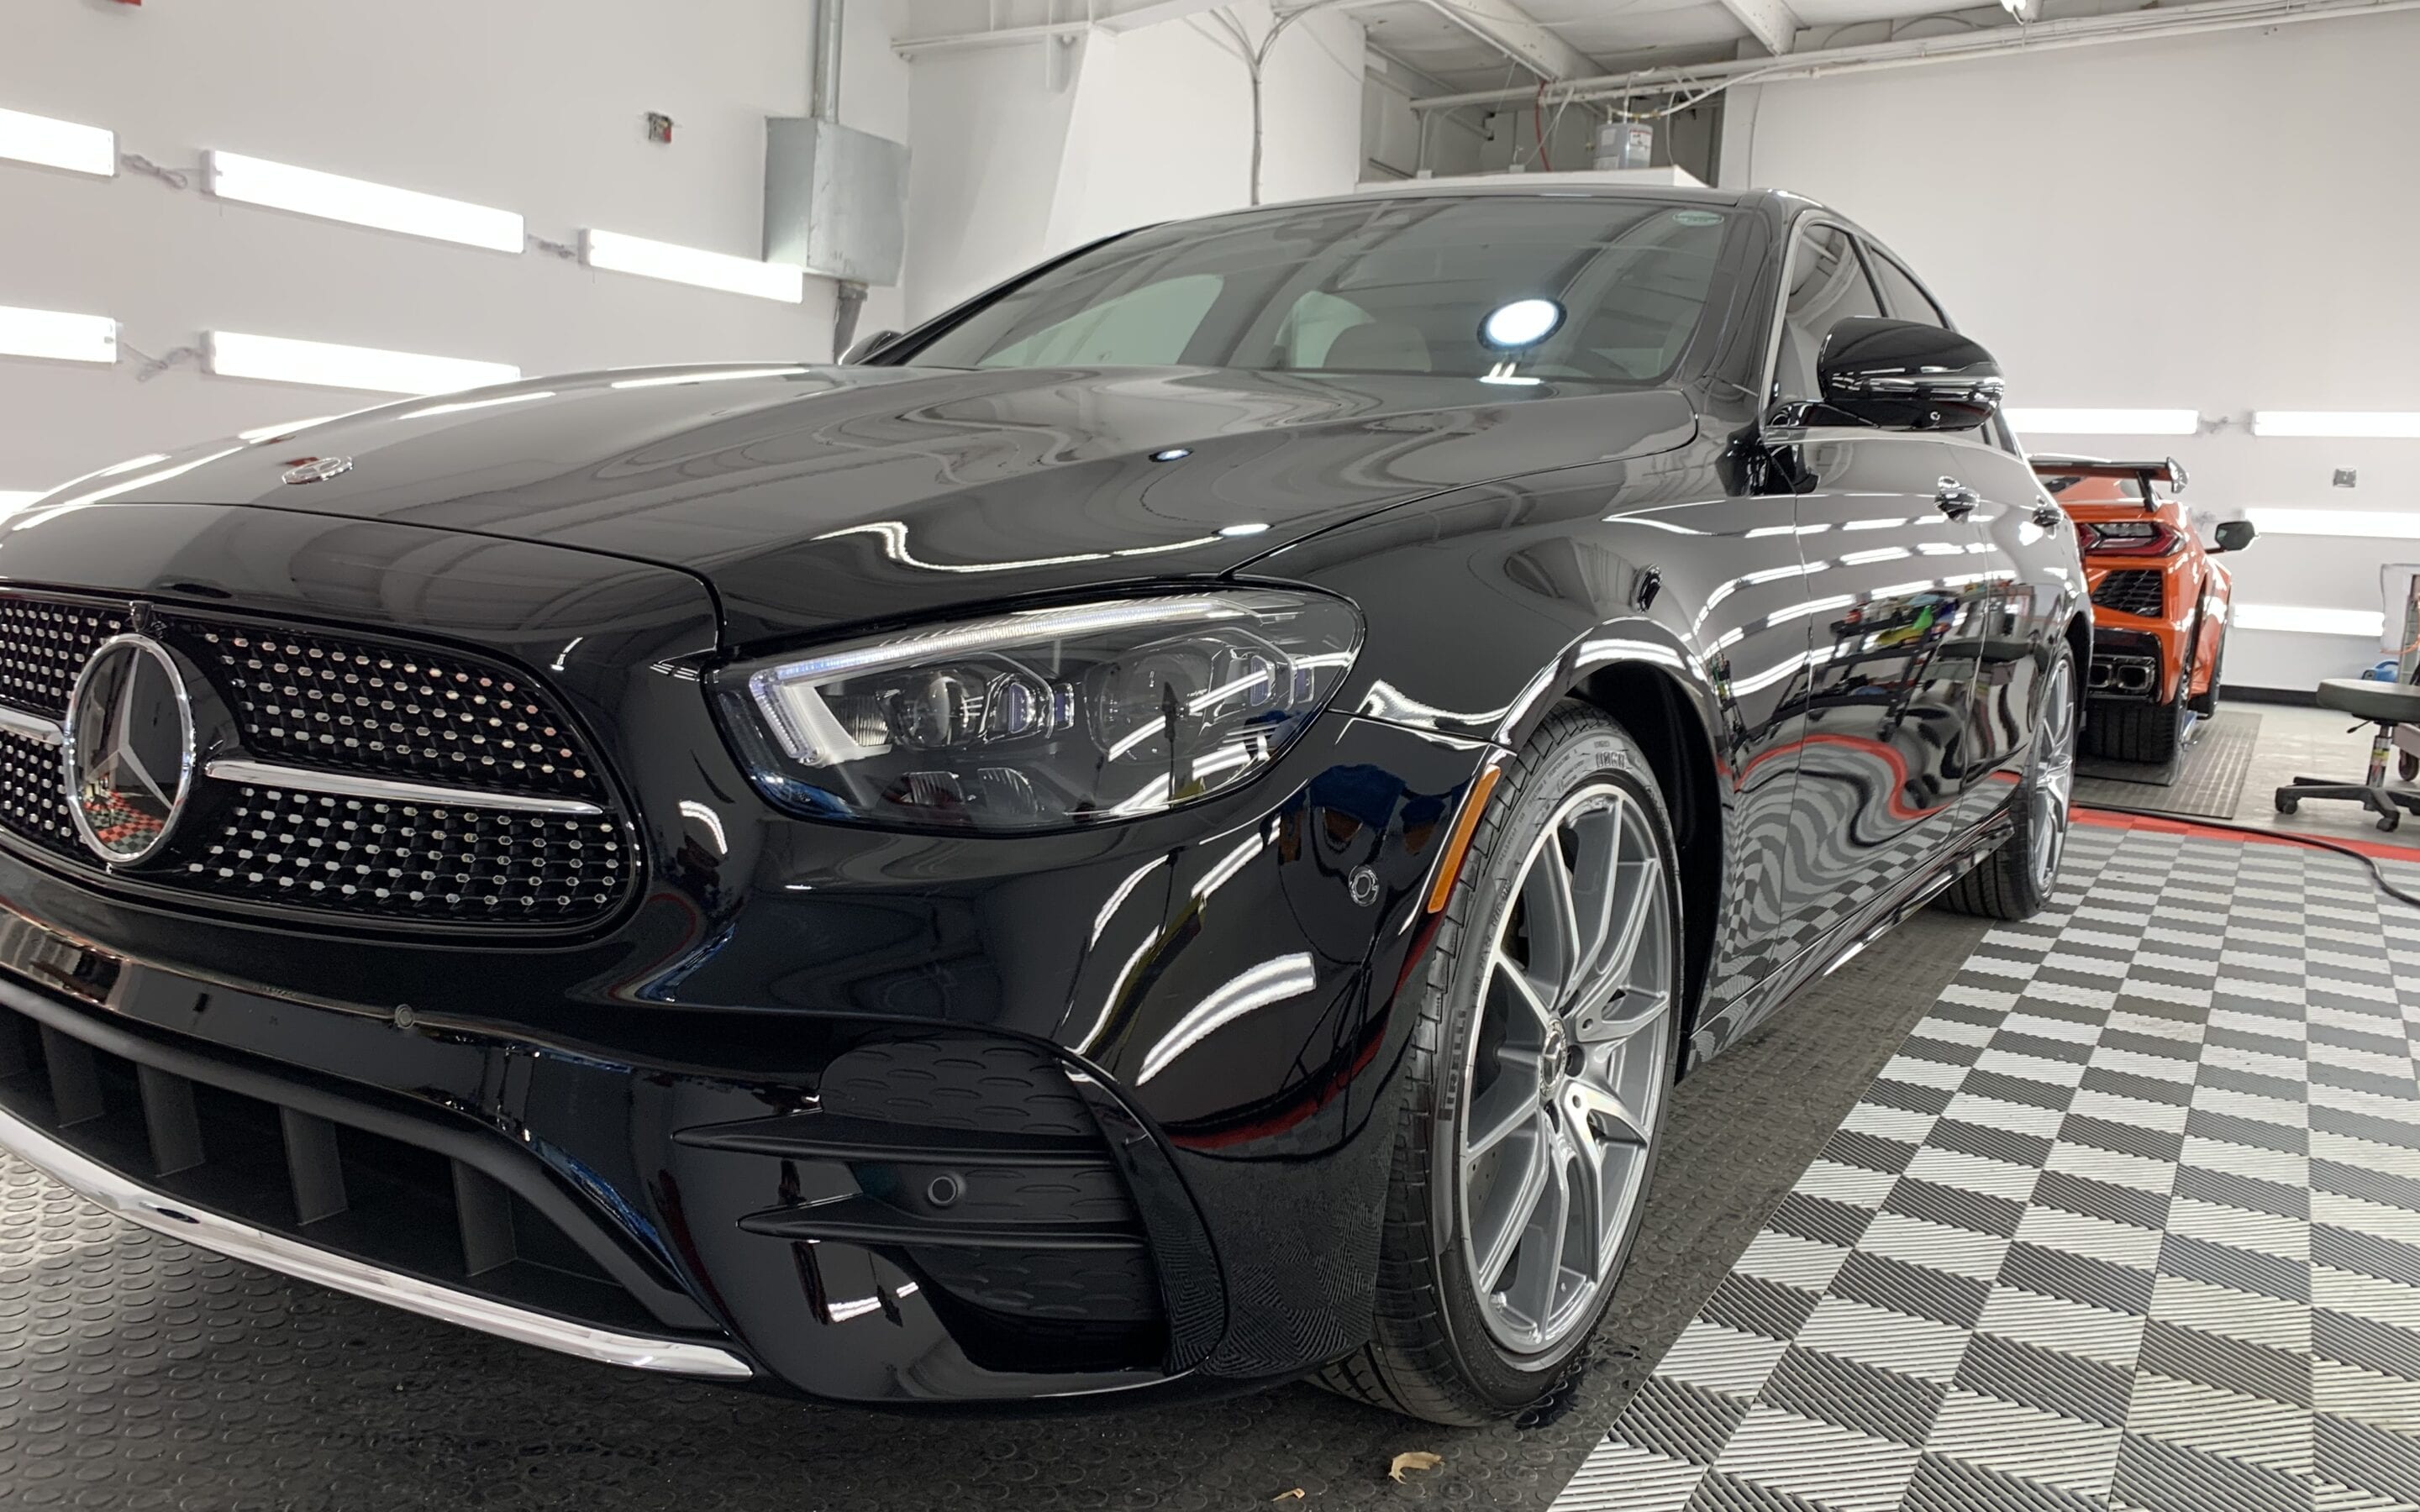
2016 880
1567 1067
2053 777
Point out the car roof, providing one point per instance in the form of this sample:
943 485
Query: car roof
1778 204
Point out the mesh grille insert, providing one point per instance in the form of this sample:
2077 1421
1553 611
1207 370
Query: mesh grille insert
43 646
397 712
2131 591
362 855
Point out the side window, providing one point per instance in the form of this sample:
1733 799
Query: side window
1907 301
1827 286
1144 327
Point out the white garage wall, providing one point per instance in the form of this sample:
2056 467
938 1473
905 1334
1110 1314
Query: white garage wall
1019 155
2211 222
531 106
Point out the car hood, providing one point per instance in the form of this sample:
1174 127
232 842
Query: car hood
809 497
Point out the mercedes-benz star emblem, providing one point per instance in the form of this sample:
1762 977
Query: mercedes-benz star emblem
319 469
129 749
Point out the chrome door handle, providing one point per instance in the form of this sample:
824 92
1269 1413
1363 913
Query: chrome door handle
1956 499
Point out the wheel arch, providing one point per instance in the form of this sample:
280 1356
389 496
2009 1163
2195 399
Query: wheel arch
1663 716
2078 632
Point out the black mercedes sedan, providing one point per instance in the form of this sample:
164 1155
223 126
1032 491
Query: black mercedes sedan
1168 830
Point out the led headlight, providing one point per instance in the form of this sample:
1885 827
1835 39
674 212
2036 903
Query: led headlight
1042 718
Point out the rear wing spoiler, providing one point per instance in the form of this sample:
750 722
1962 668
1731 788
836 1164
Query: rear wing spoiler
2167 469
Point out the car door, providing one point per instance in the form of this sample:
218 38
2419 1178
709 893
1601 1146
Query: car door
1898 587
2013 521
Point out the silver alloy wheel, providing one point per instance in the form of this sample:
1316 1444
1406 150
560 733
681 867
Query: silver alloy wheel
2054 773
1567 1067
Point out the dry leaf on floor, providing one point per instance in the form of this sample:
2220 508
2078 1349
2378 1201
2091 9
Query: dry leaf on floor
1413 1459
1298 1495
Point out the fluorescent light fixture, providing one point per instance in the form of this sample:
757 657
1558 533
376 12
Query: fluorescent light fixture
57 336
619 253
332 196
709 374
2355 425
456 407
2368 623
327 365
2350 524
2106 421
38 139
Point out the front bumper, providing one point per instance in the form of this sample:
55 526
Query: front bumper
868 1188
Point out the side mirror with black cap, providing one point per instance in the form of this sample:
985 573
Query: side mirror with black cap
2234 534
866 346
1899 374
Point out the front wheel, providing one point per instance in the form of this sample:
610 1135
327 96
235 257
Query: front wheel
1539 1069
2015 881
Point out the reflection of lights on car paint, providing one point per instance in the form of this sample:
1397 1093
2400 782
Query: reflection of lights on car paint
1250 527
1124 890
1248 991
1502 373
459 406
279 433
705 376
1225 868
710 821
893 535
564 654
1520 323
94 496
1172 453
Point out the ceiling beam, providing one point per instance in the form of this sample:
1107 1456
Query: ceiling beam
1502 24
1772 22
1519 36
1150 13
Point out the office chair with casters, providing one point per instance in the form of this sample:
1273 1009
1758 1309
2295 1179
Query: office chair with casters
2386 706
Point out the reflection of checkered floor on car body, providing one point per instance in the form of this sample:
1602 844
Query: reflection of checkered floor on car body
2132 1220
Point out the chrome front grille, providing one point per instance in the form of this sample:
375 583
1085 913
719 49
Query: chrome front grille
378 778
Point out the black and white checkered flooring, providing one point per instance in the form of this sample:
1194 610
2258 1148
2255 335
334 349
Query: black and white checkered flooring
2130 1222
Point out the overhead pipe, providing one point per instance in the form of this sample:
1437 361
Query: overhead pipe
823 101
2042 35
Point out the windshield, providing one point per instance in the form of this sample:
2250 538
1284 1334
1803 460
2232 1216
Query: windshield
1382 286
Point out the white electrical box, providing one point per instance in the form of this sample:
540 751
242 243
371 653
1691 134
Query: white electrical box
1624 145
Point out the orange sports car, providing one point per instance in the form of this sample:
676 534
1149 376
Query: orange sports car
2159 602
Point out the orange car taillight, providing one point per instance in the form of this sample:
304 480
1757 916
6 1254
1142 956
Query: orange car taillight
2127 538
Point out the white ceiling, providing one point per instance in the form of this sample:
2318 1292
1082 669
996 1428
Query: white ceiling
1615 33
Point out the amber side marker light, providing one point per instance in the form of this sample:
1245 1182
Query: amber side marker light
1457 846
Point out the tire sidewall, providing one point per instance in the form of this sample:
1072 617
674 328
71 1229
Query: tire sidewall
2039 888
1588 749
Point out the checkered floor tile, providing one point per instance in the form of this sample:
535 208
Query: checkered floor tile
2130 1223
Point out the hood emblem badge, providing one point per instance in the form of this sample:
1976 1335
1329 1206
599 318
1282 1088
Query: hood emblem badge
319 469
129 749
